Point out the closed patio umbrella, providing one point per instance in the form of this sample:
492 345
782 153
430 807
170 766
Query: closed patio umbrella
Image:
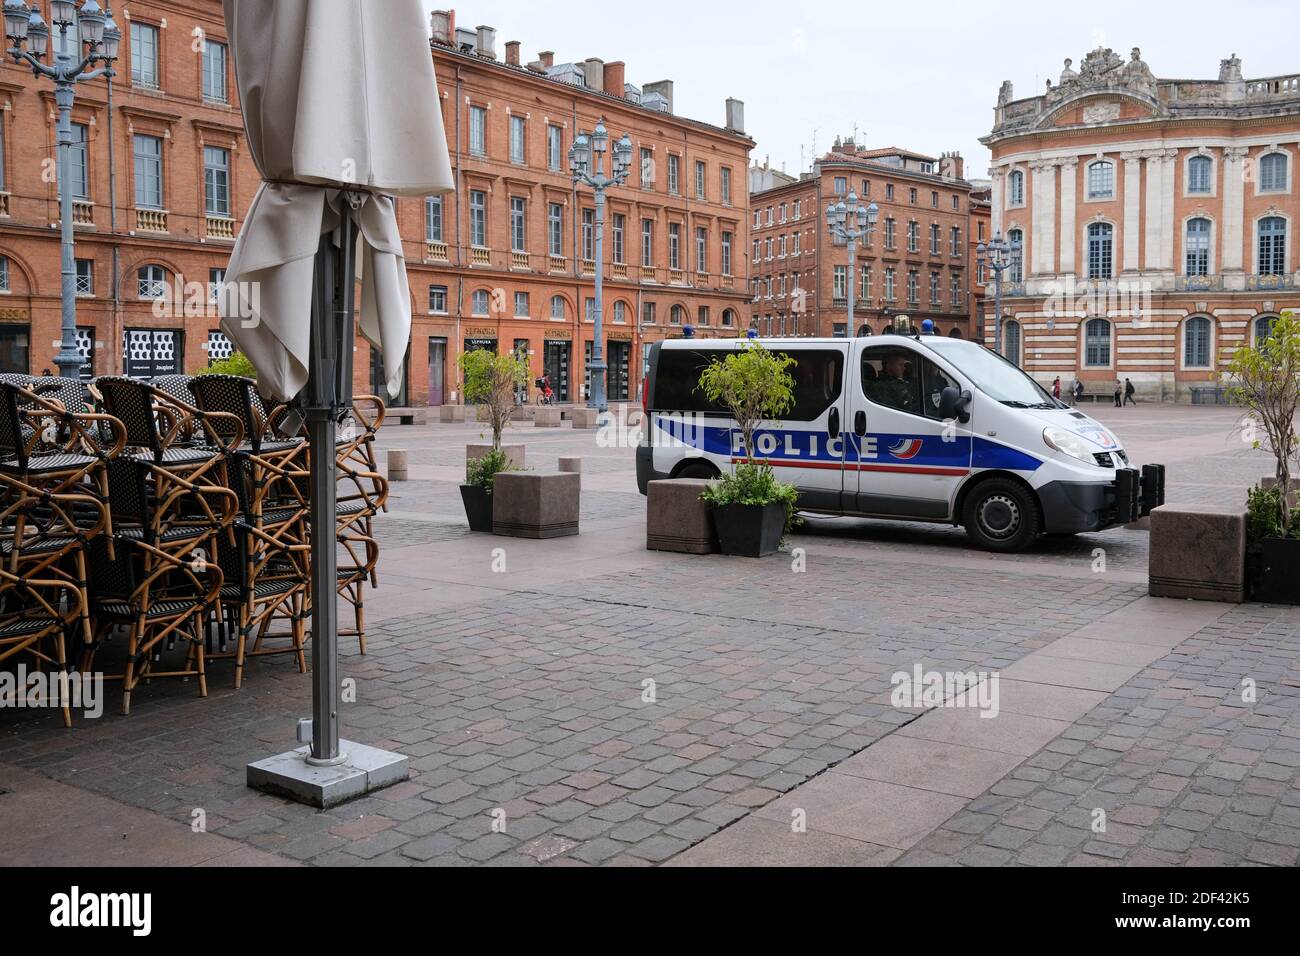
341 111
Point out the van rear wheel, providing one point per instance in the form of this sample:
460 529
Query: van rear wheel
1001 515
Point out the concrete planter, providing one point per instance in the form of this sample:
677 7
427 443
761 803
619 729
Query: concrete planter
749 531
676 519
478 507
1274 577
583 417
1198 552
547 416
514 453
451 413
531 505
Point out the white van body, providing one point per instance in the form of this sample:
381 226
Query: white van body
866 437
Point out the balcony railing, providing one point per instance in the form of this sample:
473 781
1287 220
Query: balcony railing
480 255
558 263
1210 283
435 251
677 276
518 260
589 267
701 278
618 270
649 274
728 282
83 212
1269 282
151 220
219 227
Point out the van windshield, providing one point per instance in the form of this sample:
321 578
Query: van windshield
992 374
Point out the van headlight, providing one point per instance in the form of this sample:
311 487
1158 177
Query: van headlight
1068 443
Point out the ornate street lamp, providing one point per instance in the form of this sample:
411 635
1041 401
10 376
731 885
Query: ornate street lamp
587 164
99 35
850 222
999 255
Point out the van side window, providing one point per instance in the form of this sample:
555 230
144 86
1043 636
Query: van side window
934 380
677 379
891 377
818 376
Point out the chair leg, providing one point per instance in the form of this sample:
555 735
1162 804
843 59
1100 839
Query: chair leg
299 632
128 678
60 651
241 645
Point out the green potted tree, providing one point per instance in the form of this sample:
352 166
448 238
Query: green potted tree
752 510
1265 379
490 380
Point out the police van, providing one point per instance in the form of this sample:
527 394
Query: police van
904 426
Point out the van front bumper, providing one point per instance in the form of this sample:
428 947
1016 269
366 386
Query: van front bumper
1070 507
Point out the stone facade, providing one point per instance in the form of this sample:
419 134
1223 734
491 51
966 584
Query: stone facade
917 260
1157 218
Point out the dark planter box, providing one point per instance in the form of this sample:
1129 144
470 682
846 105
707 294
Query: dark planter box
478 507
1277 576
749 531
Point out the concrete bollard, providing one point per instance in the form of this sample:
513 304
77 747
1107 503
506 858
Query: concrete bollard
571 464
584 417
547 416
397 464
1198 552
451 413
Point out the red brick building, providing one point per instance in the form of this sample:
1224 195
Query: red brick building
979 230
917 260
163 180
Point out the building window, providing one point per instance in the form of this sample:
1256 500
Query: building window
678 315
85 277
934 238
913 236
934 200
648 244
701 249
1264 327
620 312
889 285
589 234
767 246
438 299
1196 342
781 248
617 231
889 192
954 241
726 253
589 313
911 196
648 313
648 170
144 55
216 181
956 203
478 302
518 224
864 283
955 289
725 173
555 229
1016 188
935 297
1199 169
890 238
478 130
1197 247
674 173
433 219
148 171
699 180
477 218
214 71
674 245
1011 342
841 185
913 287
1016 237
4 274
798 208
1096 343
216 278
1101 180
521 305
1100 250
702 314
79 159
557 307
554 148
151 282
1272 173
840 283
1272 246
795 250
518 131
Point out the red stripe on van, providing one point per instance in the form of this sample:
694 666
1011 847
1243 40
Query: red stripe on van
904 469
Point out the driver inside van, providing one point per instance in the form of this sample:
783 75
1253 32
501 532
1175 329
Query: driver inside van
892 387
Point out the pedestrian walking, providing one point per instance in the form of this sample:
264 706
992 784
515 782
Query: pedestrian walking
1119 391
1129 392
1056 388
1078 391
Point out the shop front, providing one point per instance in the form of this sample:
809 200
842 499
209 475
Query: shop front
557 361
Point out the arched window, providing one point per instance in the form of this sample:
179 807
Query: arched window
728 317
1016 188
1101 179
1200 171
1011 341
1264 327
151 282
1100 250
478 302
1096 343
1272 246
557 307
1273 173
620 311
1196 249
955 333
1016 273
1196 342
678 316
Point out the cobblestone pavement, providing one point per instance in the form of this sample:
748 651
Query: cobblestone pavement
623 706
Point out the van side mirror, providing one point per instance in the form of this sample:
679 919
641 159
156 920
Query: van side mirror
955 404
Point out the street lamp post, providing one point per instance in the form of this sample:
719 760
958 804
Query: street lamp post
850 222
587 164
95 30
999 255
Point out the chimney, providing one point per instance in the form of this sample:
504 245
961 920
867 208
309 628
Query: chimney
663 88
593 69
487 42
951 165
615 75
441 26
512 52
546 58
735 115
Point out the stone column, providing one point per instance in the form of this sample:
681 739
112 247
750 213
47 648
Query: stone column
1153 211
1044 248
998 197
1132 209
1167 200
1069 188
1233 221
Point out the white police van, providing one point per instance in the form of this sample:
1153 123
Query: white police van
923 428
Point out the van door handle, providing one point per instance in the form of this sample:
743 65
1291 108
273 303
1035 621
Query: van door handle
860 422
833 423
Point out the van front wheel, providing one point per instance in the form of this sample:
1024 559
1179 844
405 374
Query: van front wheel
1001 515
698 469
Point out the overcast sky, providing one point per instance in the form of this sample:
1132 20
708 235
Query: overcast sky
919 75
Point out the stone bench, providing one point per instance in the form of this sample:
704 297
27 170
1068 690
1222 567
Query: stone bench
405 416
1198 552
583 417
527 504
451 413
676 518
547 416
